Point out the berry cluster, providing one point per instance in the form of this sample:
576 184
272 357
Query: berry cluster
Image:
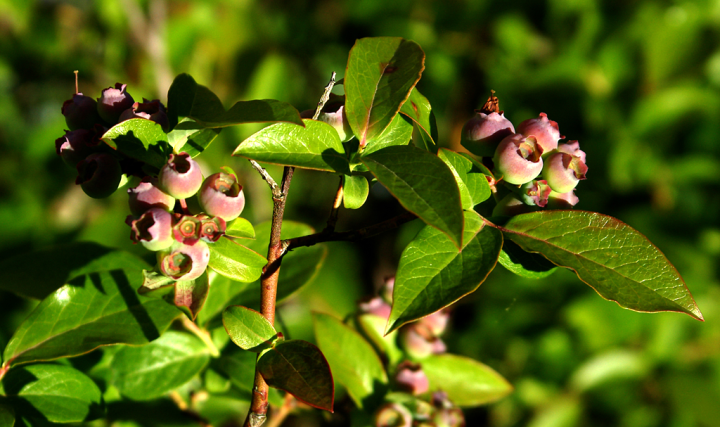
520 157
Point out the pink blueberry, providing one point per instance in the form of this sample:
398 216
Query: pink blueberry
544 130
113 101
184 262
518 159
222 196
482 133
180 177
563 171
152 229
147 195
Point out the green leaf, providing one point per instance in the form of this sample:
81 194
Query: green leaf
248 329
315 146
352 360
7 416
186 98
355 191
20 273
525 264
236 261
91 310
398 132
380 74
239 366
140 139
56 393
190 295
190 137
150 371
418 108
299 368
155 284
220 295
432 274
473 184
373 327
611 257
423 184
467 382
240 227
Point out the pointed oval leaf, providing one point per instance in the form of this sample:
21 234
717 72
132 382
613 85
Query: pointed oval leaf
525 264
220 295
240 227
611 257
150 371
299 368
473 184
315 146
56 393
423 184
186 98
235 261
418 108
398 132
248 328
19 274
140 139
467 382
381 72
432 274
352 360
7 416
92 310
198 142
355 191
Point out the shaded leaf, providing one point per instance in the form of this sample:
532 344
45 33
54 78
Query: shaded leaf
355 191
190 295
432 274
381 72
150 371
315 146
20 274
474 187
423 184
220 295
7 416
418 108
155 284
186 98
398 132
613 258
239 366
140 139
467 382
373 327
50 392
235 261
248 328
525 264
91 310
191 137
299 368
240 227
352 360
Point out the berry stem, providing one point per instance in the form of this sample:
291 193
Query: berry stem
77 90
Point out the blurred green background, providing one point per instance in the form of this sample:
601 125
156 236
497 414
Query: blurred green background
636 82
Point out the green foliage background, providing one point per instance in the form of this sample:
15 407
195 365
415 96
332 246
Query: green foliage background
638 83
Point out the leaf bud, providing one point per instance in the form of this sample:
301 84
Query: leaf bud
518 159
99 175
545 131
113 101
222 196
563 171
147 195
152 229
411 378
150 110
184 262
482 133
180 177
80 112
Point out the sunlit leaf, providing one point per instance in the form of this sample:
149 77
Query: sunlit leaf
240 227
235 261
248 329
418 108
140 139
355 191
473 184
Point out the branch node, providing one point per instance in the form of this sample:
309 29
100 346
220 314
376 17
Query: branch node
325 97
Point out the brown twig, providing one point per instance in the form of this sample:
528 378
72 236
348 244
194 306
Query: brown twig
277 194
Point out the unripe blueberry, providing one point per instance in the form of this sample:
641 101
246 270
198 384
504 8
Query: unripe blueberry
147 195
153 229
99 175
563 171
572 147
222 196
545 131
180 177
393 415
150 110
435 323
211 228
535 193
518 159
333 113
411 378
511 205
75 146
184 262
80 112
113 102
376 306
186 229
417 344
562 200
482 133
449 417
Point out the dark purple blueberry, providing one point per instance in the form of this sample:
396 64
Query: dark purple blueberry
99 175
80 112
149 110
112 102
75 146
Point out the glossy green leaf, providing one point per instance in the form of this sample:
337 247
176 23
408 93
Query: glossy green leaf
381 72
418 108
423 184
7 416
140 139
56 393
398 132
432 274
248 328
373 327
186 98
315 146
150 371
20 273
352 360
239 366
220 295
467 382
240 227
473 184
614 259
299 368
525 264
190 295
191 137
355 191
92 310
235 261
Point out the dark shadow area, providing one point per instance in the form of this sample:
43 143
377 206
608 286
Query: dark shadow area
134 305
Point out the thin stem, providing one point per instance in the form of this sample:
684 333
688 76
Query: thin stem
325 97
276 192
203 335
76 82
332 220
184 206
